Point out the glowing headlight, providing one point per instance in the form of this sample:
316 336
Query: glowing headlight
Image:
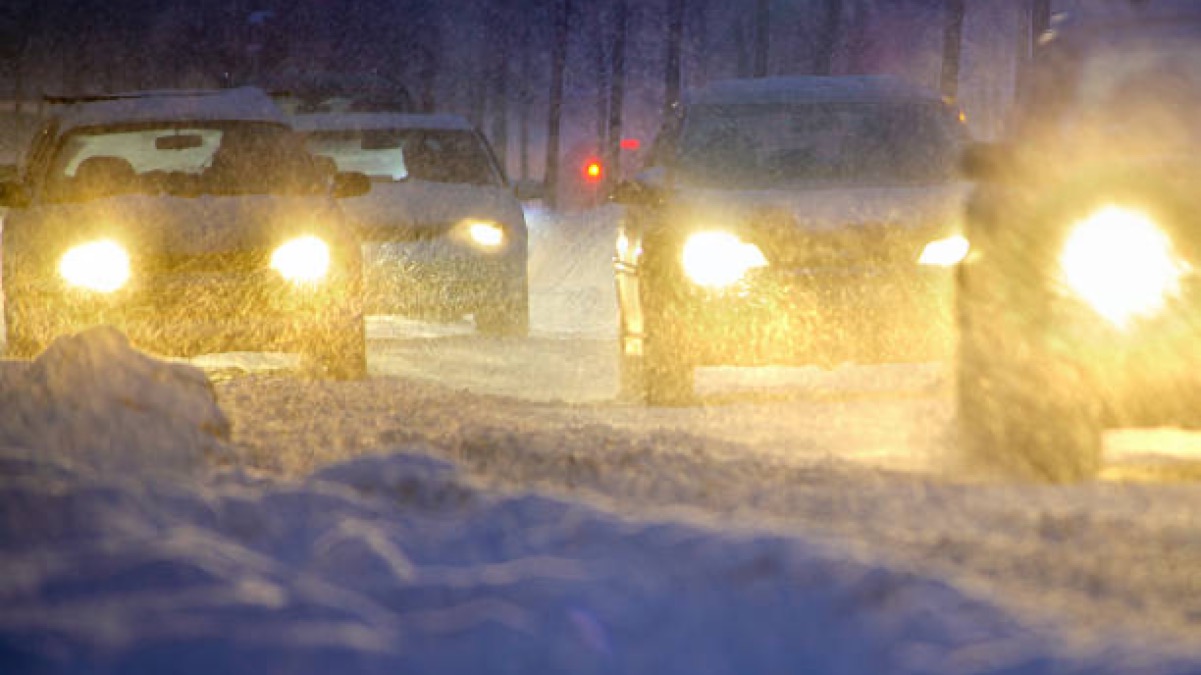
488 235
719 259
302 260
1121 264
101 266
945 252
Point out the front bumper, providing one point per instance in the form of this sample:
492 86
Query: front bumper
824 316
1149 373
440 279
192 313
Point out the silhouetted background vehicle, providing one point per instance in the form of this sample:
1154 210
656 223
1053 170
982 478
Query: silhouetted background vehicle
790 220
444 233
1078 308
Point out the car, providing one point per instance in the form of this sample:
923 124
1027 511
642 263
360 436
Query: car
446 235
790 220
194 221
1078 311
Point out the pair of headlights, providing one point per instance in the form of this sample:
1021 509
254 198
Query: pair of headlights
722 259
103 266
1118 261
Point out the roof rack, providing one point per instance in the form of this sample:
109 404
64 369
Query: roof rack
155 93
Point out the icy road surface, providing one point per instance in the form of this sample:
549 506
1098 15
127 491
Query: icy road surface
859 456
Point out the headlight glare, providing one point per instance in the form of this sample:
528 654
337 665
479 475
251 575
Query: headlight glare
1121 264
302 260
101 266
486 234
720 259
946 252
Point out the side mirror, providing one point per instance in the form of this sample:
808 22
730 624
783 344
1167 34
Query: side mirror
351 184
989 162
635 192
529 190
13 195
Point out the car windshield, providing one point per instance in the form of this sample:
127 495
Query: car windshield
182 159
398 154
773 145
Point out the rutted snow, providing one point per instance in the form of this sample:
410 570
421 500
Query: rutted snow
763 532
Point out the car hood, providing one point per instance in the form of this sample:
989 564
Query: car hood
924 207
414 209
184 225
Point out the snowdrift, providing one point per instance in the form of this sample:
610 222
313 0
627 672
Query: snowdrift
399 563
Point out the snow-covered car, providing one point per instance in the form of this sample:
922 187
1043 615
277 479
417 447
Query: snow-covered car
1078 310
444 233
790 220
194 221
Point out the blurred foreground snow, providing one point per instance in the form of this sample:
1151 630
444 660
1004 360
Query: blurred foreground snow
397 562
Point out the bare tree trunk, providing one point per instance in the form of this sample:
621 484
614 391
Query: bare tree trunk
527 100
740 45
675 45
827 38
617 91
762 36
602 81
952 45
555 114
500 111
498 20
1024 44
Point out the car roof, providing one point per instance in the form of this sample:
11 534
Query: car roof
378 121
1127 11
809 89
244 104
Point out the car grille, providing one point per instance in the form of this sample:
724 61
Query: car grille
852 246
235 262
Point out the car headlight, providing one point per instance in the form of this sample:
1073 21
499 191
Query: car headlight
101 266
945 252
485 234
302 260
1121 264
720 259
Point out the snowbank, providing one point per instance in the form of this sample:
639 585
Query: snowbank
396 564
93 399
399 563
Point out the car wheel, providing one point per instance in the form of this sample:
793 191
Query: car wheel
660 376
1022 409
340 354
509 318
19 342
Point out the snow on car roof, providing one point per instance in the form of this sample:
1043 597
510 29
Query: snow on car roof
378 121
242 104
807 89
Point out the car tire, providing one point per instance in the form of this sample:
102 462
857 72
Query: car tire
660 376
508 318
18 342
340 354
1023 410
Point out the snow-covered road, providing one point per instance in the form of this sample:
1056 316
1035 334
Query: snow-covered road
485 505
861 456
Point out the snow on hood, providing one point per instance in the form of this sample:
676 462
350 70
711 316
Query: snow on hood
91 399
417 205
935 206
